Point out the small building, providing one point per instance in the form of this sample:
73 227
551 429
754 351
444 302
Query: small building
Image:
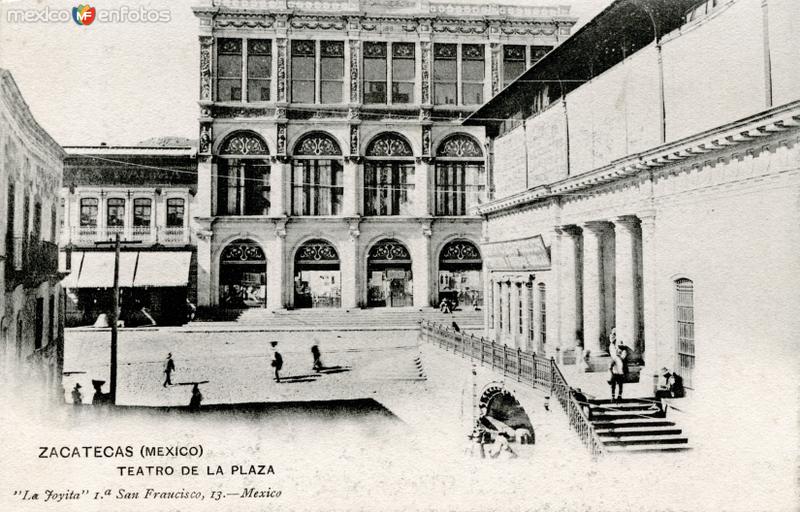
31 323
144 195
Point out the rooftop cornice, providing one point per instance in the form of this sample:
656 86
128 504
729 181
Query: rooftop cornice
764 125
19 109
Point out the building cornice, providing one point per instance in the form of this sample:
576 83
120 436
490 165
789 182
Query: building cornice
763 126
21 113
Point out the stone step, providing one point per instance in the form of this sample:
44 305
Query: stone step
645 440
621 415
637 401
636 431
624 407
638 422
648 448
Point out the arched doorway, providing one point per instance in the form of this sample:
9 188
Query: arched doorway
460 267
242 275
389 275
506 413
317 276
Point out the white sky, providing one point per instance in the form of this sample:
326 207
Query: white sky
124 82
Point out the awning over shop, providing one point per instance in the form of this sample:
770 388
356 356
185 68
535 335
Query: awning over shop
97 270
522 255
163 269
76 258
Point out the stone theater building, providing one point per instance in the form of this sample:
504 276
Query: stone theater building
333 169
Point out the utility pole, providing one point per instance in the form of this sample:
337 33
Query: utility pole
112 385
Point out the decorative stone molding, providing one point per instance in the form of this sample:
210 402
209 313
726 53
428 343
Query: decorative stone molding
206 48
389 145
777 125
425 60
354 140
355 71
244 143
459 146
317 144
280 227
241 112
281 74
426 141
495 62
206 136
281 140
353 228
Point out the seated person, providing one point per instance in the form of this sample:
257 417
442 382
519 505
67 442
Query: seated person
670 386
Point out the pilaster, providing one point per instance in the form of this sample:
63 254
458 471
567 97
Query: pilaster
421 267
592 285
626 322
649 347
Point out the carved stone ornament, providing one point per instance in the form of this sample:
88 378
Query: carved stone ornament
317 144
495 68
460 251
206 136
354 142
317 251
206 44
281 139
389 144
459 146
389 250
355 71
426 140
425 54
244 143
243 250
281 72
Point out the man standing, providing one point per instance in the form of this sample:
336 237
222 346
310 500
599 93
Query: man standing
169 367
77 397
277 360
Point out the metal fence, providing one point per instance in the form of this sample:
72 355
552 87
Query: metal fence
527 367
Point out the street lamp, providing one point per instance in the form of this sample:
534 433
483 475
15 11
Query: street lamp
115 313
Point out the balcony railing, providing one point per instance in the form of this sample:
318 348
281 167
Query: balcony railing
88 235
526 367
32 262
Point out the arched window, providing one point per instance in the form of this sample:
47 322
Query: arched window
317 176
243 176
389 176
460 175
684 328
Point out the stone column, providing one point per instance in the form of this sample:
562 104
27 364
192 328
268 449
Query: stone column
649 264
351 200
568 277
351 267
514 340
592 281
526 343
626 322
278 176
422 187
497 289
421 269
275 267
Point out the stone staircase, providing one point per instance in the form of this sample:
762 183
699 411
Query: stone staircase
635 425
357 319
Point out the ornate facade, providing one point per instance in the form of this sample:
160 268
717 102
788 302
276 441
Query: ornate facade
333 128
31 299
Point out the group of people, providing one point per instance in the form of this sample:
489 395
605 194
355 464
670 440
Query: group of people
485 434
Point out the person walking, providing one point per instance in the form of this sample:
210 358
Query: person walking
197 398
77 397
277 360
315 353
169 367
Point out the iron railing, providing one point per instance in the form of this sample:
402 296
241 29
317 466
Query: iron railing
526 367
